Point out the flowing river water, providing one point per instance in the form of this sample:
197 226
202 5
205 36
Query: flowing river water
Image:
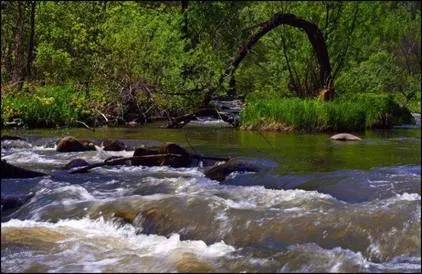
317 206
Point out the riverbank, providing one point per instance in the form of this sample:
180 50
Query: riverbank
65 106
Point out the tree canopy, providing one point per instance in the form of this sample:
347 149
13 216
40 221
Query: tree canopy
155 57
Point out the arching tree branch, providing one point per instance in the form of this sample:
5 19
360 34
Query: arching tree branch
315 37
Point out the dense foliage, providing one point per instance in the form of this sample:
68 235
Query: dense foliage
137 60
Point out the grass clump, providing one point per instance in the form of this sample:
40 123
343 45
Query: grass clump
49 106
353 113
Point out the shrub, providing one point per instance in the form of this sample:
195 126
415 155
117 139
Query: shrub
48 106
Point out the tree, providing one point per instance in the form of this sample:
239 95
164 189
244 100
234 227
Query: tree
315 37
31 42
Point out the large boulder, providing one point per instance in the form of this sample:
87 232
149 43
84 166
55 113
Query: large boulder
9 171
71 144
345 137
113 145
220 172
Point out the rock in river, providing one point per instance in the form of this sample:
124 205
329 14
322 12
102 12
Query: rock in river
220 172
113 145
183 160
9 171
14 201
345 137
71 144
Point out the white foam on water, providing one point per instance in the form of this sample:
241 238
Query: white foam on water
310 257
122 153
236 174
293 209
261 197
29 157
408 197
43 148
209 122
396 200
77 191
399 263
185 172
114 193
15 145
109 243
240 205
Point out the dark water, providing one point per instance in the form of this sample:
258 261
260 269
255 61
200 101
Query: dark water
317 206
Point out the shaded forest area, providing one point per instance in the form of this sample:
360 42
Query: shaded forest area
64 63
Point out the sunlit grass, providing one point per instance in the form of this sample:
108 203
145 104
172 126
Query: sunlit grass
344 114
48 106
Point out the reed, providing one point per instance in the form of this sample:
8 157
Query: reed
352 113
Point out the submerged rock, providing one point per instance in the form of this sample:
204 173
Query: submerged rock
9 171
149 220
345 137
220 172
71 144
75 163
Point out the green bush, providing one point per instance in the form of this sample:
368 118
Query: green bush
47 107
353 113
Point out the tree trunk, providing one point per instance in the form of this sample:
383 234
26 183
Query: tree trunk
17 68
31 42
185 4
315 37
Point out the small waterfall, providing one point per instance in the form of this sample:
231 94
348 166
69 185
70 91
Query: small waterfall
417 117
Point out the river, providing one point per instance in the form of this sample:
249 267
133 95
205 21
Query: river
318 205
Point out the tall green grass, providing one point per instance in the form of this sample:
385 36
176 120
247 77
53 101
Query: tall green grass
46 107
354 113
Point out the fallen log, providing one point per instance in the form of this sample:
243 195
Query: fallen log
122 160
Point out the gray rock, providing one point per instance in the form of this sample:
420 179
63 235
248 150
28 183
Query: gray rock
345 137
